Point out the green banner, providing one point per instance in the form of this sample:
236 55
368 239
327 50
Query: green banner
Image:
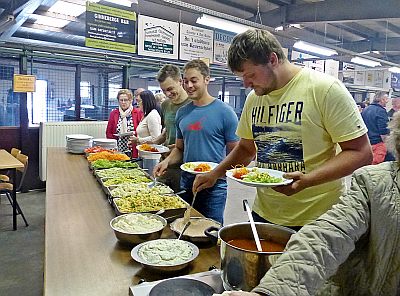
126 14
110 28
110 45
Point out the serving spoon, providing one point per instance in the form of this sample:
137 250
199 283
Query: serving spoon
253 226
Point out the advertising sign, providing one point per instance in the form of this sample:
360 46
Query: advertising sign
24 83
195 43
222 41
157 38
110 28
396 81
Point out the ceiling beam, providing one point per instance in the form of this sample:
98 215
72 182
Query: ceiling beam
389 26
29 8
348 28
332 11
238 6
381 44
280 2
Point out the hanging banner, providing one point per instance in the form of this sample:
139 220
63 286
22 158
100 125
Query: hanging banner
195 43
24 83
157 37
222 41
110 28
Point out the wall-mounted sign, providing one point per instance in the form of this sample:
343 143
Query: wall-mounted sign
222 41
195 43
110 28
395 83
24 83
157 38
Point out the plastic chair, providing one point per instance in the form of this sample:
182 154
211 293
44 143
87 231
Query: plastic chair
7 188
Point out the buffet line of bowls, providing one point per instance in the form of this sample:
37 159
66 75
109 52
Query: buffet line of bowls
141 239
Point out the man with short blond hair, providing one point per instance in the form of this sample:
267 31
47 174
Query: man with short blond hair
170 79
293 120
205 130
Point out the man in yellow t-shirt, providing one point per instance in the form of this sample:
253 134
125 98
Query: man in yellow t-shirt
293 120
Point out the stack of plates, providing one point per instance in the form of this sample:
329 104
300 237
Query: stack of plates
78 143
105 143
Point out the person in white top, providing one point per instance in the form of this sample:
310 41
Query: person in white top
149 127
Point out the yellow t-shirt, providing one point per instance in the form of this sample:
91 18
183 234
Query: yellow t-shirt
297 128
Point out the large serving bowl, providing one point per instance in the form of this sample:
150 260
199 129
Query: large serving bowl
181 254
195 232
137 236
242 269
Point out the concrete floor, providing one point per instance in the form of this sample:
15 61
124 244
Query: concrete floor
22 251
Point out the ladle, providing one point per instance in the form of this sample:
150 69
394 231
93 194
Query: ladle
253 226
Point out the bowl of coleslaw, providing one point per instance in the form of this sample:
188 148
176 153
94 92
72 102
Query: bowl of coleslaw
136 228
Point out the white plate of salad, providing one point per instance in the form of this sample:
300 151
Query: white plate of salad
198 167
257 177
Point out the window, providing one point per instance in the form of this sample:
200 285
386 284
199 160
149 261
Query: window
113 89
38 104
85 89
226 98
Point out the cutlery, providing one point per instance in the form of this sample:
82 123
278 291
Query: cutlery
253 226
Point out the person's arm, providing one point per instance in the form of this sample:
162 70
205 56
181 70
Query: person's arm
355 154
230 146
242 154
111 128
315 253
382 124
175 156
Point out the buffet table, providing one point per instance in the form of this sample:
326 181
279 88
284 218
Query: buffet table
82 255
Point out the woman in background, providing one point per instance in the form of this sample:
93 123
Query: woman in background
149 127
123 120
160 97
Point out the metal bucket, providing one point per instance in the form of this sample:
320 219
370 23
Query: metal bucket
242 269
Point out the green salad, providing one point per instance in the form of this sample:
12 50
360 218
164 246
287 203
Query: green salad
256 176
106 164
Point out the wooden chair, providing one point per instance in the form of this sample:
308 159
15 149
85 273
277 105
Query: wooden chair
6 187
14 152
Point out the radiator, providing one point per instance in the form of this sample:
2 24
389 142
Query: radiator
52 134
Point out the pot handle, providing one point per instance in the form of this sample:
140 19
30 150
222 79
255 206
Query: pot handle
212 233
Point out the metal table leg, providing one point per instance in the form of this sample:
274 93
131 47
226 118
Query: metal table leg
14 199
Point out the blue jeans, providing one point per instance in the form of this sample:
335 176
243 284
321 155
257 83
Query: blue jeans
209 202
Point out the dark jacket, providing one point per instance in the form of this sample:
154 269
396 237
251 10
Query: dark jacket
376 120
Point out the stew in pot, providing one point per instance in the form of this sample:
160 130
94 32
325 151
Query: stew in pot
250 245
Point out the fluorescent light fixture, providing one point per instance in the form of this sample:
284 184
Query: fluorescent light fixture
214 22
394 69
68 8
280 28
312 48
127 3
369 51
51 21
365 62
